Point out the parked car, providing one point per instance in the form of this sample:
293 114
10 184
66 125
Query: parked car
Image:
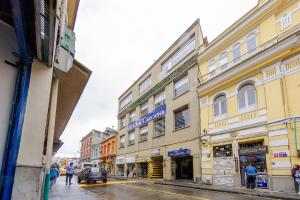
90 174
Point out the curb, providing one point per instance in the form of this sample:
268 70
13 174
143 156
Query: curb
275 196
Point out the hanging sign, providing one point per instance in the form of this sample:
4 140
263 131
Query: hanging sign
254 150
180 152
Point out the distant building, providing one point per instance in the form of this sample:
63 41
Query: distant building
108 153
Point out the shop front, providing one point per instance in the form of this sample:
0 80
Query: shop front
157 164
223 165
254 153
120 163
142 167
130 163
181 163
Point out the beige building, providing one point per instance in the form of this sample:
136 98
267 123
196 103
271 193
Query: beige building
159 115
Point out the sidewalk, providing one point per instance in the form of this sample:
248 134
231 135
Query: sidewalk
236 190
61 191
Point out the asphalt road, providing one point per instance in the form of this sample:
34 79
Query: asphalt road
122 190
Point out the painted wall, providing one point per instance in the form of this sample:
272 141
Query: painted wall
8 73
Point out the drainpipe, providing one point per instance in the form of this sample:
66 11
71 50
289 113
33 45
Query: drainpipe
295 133
14 133
50 137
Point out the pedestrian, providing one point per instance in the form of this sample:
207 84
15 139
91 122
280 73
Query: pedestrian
54 174
69 174
251 173
138 172
296 175
133 172
128 172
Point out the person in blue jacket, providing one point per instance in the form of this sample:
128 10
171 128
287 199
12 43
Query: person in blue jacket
54 174
251 173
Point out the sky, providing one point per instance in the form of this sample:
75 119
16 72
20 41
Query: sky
118 40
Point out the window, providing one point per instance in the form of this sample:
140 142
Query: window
181 86
251 43
144 109
123 122
108 148
223 60
131 137
181 118
286 20
145 84
122 141
236 53
223 151
144 133
159 126
126 100
188 47
247 97
132 117
212 67
220 106
159 99
113 146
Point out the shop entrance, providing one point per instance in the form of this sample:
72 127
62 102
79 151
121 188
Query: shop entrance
184 167
254 153
157 166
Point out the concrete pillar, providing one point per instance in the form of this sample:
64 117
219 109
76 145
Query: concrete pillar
50 137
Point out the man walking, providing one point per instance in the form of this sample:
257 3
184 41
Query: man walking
251 173
69 174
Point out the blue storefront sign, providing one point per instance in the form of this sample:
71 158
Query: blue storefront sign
180 152
161 111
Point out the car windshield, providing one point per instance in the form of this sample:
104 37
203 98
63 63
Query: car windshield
87 165
95 170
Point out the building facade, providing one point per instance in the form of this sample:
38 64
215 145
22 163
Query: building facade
92 139
41 83
249 94
95 146
108 153
158 123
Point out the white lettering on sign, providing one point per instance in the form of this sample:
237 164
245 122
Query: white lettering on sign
282 153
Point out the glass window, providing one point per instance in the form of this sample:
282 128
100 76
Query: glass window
247 96
131 137
181 118
123 122
145 84
159 99
122 141
159 126
286 20
144 133
180 54
223 151
181 86
251 43
236 53
212 67
144 109
126 101
132 117
223 61
220 106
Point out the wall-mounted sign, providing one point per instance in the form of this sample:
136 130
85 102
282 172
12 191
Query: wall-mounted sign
120 160
254 150
261 180
161 111
282 153
180 152
130 160
155 152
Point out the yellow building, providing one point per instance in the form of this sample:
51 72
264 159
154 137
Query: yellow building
250 98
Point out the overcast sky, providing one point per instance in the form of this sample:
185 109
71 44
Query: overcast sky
118 40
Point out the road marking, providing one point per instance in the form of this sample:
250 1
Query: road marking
172 193
108 183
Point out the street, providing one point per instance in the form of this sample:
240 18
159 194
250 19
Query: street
122 190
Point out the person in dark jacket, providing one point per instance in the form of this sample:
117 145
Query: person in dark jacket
294 170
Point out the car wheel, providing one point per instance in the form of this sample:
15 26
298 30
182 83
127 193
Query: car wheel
87 181
95 181
78 180
104 180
